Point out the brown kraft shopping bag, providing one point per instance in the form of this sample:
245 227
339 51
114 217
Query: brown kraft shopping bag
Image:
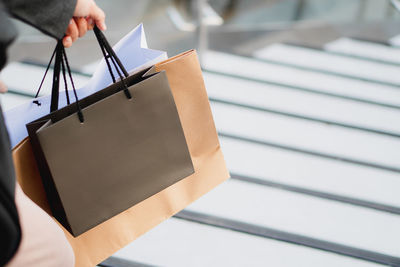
187 86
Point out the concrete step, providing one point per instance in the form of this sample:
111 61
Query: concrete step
282 99
182 243
272 164
304 215
300 79
321 61
363 148
364 49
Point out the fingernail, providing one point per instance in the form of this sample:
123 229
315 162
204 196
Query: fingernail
103 25
90 21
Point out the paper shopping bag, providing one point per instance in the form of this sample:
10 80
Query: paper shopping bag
97 244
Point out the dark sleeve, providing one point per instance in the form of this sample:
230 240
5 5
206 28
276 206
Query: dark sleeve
8 33
9 222
49 16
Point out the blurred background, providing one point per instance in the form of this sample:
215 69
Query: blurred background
234 26
306 100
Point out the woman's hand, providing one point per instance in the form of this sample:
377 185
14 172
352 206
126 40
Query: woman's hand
86 15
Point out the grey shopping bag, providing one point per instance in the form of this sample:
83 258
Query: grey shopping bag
111 150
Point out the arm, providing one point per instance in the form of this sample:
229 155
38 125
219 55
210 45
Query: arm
9 223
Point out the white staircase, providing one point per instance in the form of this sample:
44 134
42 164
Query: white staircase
312 140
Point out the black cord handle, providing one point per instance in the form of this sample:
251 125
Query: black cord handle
109 55
62 65
78 107
65 82
45 73
103 42
56 77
